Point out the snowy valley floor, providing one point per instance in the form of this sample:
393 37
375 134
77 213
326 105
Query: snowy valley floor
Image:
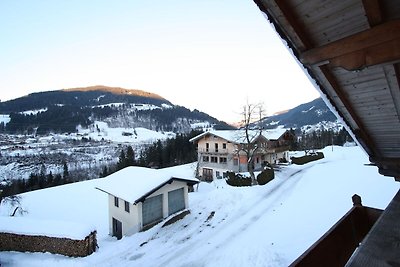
267 225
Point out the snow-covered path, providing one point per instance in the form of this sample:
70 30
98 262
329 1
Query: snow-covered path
267 225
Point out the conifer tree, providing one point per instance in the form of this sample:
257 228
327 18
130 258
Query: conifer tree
130 156
121 161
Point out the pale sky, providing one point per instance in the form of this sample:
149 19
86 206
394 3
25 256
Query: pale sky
210 55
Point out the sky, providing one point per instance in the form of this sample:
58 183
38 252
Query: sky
210 55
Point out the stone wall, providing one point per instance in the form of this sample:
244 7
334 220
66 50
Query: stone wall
56 245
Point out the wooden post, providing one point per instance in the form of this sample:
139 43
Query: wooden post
356 200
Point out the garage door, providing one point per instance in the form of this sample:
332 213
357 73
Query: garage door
152 210
176 201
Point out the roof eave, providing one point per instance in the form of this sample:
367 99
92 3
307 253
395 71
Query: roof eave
169 181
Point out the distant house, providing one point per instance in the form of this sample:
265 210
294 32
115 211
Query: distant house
139 198
221 151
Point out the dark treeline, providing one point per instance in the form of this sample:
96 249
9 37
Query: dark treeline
322 138
36 181
172 152
62 119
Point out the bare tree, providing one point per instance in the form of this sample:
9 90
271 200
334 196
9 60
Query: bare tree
14 201
251 113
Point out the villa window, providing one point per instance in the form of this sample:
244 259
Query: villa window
207 147
126 206
224 146
223 160
116 202
206 159
214 159
216 147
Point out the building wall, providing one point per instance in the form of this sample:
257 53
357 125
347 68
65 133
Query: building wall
229 153
212 140
132 221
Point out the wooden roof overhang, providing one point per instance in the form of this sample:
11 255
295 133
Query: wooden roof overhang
352 50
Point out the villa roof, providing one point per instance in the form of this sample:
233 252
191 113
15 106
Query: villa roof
238 136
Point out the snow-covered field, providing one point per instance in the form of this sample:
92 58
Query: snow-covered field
267 225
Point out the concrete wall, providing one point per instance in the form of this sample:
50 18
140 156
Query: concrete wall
132 221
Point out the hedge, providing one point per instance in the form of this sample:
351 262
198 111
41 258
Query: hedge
237 179
266 176
307 158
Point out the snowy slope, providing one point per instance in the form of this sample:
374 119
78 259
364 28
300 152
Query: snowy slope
24 154
309 117
267 225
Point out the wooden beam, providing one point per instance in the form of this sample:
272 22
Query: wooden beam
388 52
375 36
392 74
373 12
361 133
293 20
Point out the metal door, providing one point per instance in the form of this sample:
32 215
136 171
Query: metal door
176 201
152 210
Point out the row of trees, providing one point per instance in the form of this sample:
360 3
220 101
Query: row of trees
174 151
160 154
322 138
126 158
35 181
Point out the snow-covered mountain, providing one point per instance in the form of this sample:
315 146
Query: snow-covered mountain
307 117
62 111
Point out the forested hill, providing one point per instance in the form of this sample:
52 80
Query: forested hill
81 97
64 110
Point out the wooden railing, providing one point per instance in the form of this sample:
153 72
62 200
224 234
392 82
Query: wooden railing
337 245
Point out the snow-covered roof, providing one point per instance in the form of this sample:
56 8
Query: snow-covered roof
238 136
133 184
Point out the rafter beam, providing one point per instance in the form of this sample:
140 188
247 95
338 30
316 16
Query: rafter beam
373 12
388 52
377 45
360 133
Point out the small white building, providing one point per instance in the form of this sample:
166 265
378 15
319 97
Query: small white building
139 198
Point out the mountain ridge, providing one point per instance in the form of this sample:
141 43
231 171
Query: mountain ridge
315 112
115 90
64 110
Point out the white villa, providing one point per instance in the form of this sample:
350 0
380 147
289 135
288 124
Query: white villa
220 151
139 198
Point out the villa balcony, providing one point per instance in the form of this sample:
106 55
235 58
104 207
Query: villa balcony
219 151
278 149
